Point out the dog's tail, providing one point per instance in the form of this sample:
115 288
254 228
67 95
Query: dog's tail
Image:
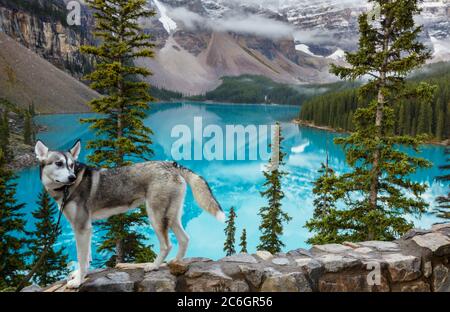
202 193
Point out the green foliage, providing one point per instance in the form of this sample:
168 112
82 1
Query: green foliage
378 192
12 230
121 133
272 215
5 135
230 232
243 242
323 220
258 89
412 115
443 210
55 265
119 229
28 129
162 94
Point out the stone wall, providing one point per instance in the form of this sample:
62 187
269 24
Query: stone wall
419 262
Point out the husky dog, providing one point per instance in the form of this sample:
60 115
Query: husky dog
95 194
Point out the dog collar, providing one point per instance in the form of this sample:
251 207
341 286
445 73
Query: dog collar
62 188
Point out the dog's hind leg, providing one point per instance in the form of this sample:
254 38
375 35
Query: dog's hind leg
182 238
160 225
176 211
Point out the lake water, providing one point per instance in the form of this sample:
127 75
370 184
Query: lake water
234 183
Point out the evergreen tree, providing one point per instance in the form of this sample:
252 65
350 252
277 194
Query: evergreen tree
121 133
12 230
5 135
324 217
28 129
243 242
133 248
55 264
412 115
443 210
440 125
273 216
425 114
230 232
375 190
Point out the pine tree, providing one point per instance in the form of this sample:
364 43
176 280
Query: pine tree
443 210
324 217
133 248
12 230
273 216
230 232
374 192
243 242
440 125
121 133
55 265
27 129
5 135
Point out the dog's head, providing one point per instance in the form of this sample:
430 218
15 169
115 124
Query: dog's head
57 168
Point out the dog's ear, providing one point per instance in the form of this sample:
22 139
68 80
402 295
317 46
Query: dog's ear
76 149
41 151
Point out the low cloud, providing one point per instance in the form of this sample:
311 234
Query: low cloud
244 24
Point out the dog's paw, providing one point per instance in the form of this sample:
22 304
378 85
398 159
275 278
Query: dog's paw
151 267
73 274
75 283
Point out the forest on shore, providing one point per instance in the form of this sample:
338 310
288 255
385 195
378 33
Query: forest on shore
335 109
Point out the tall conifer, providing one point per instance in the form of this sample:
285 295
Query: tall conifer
272 215
243 242
121 135
375 191
12 230
230 232
55 265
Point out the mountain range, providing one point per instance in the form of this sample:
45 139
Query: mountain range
200 41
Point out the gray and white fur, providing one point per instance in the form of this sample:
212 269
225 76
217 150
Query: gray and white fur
96 194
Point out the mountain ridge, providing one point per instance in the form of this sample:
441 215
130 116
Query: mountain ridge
26 78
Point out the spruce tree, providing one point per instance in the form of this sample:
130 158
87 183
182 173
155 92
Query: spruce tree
324 217
28 129
243 242
121 133
272 215
375 191
5 135
55 265
443 209
230 232
12 230
133 248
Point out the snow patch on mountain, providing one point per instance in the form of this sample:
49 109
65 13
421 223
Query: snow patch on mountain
338 55
168 23
305 49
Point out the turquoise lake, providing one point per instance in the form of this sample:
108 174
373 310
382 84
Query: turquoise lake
235 183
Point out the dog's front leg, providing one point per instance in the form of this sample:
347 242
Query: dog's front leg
83 241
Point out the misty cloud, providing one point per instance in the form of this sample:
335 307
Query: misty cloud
244 24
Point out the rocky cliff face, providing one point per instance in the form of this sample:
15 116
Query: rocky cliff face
419 262
41 26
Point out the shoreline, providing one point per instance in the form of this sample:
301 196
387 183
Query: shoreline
181 101
329 129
